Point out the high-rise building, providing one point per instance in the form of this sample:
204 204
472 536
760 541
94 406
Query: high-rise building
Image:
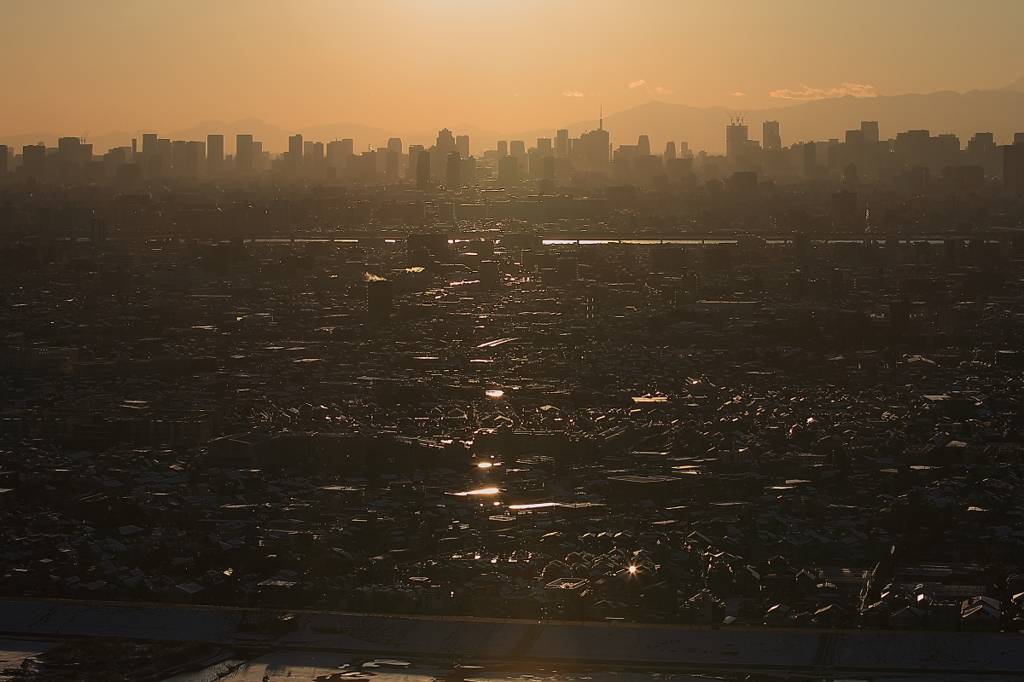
178 158
517 148
69 159
195 152
453 171
735 139
243 154
502 148
33 161
1013 168
214 155
414 154
544 147
870 129
592 151
423 170
149 145
562 144
508 171
296 150
338 153
395 145
3 159
810 160
445 142
462 144
771 140
643 146
670 151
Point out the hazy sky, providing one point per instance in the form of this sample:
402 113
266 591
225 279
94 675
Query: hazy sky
504 65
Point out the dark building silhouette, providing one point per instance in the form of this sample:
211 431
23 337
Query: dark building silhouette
736 138
453 170
423 171
562 144
33 161
195 153
771 140
214 155
1013 168
243 154
293 161
870 130
508 171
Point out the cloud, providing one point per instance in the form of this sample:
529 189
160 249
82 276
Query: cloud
656 90
737 94
572 93
806 92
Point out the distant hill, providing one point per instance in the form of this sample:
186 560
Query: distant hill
999 111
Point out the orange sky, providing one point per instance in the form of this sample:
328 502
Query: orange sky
504 65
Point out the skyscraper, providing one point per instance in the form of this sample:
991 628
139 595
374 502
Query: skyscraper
502 148
462 144
1013 168
594 151
870 129
770 137
414 154
295 153
3 159
33 161
643 146
452 171
508 171
195 152
243 154
517 148
214 155
735 138
423 170
149 145
445 142
562 144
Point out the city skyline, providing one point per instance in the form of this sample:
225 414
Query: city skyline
409 65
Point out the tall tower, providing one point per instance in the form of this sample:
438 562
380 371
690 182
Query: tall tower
295 152
214 155
643 146
735 135
870 129
770 138
243 154
452 172
562 143
422 170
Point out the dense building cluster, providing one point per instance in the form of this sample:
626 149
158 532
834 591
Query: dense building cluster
641 389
